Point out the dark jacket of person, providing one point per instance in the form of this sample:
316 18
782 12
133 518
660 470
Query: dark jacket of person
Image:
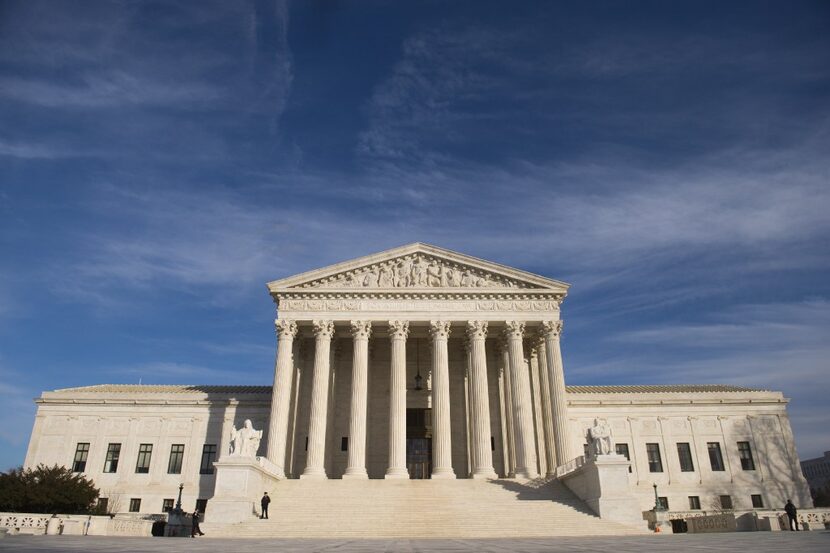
265 501
790 509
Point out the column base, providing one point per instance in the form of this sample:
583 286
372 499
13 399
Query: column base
355 474
396 474
443 474
485 475
527 474
315 474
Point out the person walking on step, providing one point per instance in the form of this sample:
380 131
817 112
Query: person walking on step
264 503
791 511
194 528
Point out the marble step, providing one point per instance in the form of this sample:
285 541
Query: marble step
422 509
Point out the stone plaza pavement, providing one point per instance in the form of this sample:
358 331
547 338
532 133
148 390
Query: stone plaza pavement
757 542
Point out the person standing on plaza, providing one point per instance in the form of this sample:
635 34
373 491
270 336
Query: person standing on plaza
194 521
791 511
264 503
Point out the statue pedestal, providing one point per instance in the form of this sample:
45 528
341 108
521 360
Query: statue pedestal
602 483
240 483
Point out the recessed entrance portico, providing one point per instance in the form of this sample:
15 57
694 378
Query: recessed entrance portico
354 336
419 443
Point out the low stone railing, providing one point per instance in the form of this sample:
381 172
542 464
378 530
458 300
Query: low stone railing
570 466
32 523
752 519
117 525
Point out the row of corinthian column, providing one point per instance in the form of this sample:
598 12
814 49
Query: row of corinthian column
521 450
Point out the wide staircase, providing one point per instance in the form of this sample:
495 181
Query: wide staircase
422 509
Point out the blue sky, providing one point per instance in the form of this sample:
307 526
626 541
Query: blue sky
160 161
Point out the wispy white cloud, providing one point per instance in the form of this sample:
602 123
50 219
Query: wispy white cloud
110 89
776 346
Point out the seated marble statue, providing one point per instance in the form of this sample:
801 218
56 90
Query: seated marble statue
245 441
600 438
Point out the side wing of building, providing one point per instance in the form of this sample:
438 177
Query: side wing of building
705 447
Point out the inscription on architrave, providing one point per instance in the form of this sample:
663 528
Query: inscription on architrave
415 305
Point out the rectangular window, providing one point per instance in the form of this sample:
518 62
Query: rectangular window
103 503
747 462
142 465
622 449
201 505
585 451
208 457
113 453
81 454
492 443
135 505
344 443
174 465
757 501
694 503
684 453
664 502
166 505
655 462
726 502
306 443
715 456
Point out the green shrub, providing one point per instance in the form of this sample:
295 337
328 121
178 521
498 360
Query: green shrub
46 490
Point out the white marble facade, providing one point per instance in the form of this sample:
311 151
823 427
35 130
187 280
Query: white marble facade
485 340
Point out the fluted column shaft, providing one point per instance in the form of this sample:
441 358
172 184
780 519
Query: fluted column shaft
558 397
398 332
441 439
281 394
480 401
522 403
357 418
509 470
547 408
316 456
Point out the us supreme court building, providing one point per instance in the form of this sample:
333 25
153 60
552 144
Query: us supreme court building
420 363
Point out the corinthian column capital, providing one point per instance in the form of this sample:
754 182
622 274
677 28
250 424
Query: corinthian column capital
552 328
398 330
285 327
439 329
361 329
514 329
323 329
476 330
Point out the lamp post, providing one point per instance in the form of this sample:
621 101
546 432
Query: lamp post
179 501
657 505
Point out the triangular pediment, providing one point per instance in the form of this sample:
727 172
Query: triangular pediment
417 266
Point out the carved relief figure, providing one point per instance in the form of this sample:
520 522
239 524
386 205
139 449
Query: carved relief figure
371 279
385 277
245 441
467 279
419 277
434 274
599 437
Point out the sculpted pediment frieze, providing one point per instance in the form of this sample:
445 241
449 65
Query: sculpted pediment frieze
417 267
416 271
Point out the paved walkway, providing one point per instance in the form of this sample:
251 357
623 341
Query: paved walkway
757 542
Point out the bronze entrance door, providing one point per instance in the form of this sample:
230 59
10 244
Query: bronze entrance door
419 443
